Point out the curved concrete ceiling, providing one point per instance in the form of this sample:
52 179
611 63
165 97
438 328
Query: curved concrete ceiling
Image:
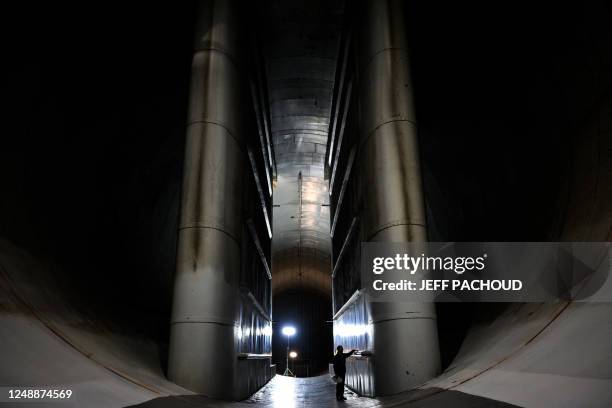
301 50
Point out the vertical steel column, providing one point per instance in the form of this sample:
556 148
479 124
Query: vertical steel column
203 343
404 335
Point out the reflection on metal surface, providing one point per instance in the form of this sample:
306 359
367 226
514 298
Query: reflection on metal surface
213 319
353 330
301 61
311 273
382 201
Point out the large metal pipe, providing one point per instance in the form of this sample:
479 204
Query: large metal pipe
405 340
203 343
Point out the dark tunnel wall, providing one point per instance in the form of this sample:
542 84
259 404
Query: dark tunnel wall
502 101
501 89
309 312
92 146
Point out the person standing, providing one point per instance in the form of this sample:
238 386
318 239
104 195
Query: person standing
340 370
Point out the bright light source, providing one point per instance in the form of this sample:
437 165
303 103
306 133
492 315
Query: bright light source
288 331
293 354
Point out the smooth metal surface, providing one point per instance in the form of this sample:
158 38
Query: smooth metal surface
390 160
212 180
308 274
301 52
402 336
211 321
353 329
391 176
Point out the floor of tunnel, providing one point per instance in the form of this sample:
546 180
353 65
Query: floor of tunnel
104 369
288 392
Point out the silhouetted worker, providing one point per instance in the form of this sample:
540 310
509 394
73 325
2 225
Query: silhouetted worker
340 371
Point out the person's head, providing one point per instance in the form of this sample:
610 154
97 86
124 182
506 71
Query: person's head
339 349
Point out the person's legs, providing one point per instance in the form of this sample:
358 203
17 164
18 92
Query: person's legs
340 389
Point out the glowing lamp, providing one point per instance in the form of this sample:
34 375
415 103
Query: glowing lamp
288 331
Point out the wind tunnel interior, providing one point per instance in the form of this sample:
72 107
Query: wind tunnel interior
92 155
514 113
301 41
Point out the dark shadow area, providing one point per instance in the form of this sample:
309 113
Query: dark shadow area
454 320
501 91
91 152
309 312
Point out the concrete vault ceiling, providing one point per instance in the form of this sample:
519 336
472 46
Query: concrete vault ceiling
301 50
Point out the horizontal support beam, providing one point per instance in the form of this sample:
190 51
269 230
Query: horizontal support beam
347 176
348 238
334 162
263 138
262 256
338 99
348 303
252 356
247 293
262 198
